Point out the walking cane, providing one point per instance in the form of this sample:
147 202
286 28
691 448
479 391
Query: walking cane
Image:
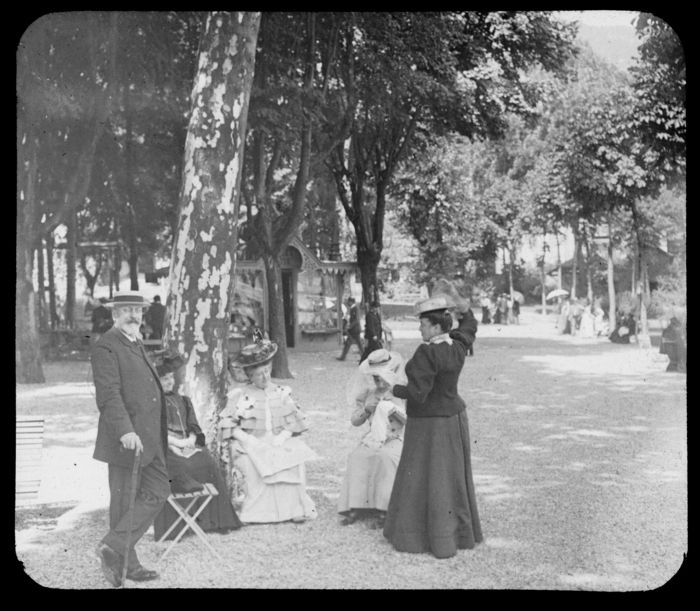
132 499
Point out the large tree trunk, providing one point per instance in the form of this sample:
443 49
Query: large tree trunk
612 305
278 331
130 196
511 264
543 275
71 239
53 314
641 291
41 281
202 272
589 264
574 263
28 367
368 263
559 274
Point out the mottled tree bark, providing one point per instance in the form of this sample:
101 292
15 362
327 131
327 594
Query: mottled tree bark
612 306
71 238
202 270
28 367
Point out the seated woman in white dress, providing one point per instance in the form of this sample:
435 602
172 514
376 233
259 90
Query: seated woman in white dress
371 466
261 425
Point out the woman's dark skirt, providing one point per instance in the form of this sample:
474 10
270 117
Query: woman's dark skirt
433 504
218 515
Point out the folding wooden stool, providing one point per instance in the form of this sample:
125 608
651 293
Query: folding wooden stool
188 514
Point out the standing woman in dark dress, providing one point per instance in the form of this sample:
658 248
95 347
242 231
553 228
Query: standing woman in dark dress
189 462
433 503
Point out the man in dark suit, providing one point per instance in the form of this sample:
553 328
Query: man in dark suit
155 318
132 422
352 330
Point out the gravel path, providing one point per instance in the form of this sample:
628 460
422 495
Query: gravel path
579 453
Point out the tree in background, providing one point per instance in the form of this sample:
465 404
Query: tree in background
65 91
413 76
202 270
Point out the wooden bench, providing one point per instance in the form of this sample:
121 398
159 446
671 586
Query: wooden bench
29 443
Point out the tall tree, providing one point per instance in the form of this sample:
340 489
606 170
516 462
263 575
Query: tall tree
65 92
202 270
411 75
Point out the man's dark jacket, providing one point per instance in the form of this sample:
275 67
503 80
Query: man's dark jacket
354 323
130 399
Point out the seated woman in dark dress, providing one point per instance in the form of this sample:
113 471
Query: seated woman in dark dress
625 327
189 462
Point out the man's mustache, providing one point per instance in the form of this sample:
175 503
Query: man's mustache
134 320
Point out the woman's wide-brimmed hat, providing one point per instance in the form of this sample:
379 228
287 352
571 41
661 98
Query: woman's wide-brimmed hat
433 304
381 360
128 299
169 362
255 354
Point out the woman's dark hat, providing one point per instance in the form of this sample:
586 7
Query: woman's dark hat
255 354
169 362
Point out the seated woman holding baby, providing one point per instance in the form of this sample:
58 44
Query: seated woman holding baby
371 466
261 427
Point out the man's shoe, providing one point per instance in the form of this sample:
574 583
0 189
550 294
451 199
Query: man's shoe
337 358
141 574
111 563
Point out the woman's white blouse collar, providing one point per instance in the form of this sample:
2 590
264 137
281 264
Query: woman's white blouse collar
439 339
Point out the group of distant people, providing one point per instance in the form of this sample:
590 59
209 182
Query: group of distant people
506 310
582 318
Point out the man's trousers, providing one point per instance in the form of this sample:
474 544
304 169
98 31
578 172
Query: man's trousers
152 490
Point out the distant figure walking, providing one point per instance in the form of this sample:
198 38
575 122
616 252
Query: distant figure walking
352 330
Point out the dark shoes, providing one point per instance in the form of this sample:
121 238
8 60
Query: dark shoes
141 574
111 563
183 483
337 358
350 518
379 522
